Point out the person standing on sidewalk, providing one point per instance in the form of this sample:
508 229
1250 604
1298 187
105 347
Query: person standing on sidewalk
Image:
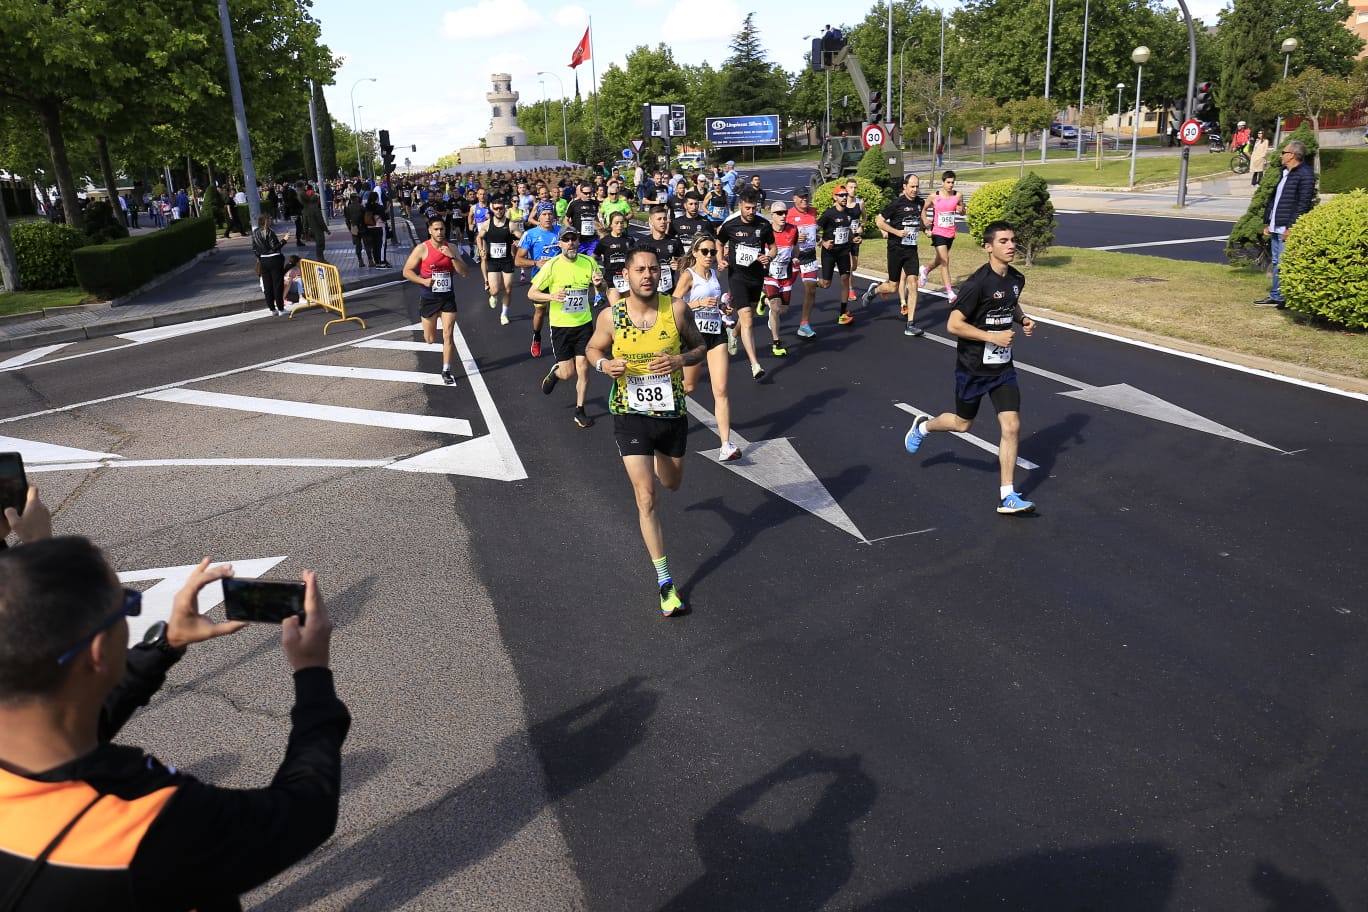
1258 159
294 209
1295 196
267 246
354 215
314 223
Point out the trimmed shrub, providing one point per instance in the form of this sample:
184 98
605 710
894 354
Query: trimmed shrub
100 224
987 204
118 267
873 197
1324 267
1343 170
1246 244
44 253
874 168
1032 215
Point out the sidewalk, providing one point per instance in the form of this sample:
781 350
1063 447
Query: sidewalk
223 281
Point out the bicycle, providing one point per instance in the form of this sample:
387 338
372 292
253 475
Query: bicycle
1239 162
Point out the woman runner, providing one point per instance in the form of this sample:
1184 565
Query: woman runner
699 290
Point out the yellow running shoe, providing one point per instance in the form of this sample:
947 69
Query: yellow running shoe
845 319
670 602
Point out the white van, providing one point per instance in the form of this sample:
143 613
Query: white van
693 160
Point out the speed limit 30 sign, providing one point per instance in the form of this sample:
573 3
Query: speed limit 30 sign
1190 132
873 135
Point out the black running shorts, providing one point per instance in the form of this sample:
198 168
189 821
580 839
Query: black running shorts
645 435
834 260
430 305
569 342
1001 388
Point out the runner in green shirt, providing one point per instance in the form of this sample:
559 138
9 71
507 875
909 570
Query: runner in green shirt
566 283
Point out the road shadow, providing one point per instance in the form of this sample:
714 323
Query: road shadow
749 866
1285 893
399 859
1123 877
1045 446
780 421
212 768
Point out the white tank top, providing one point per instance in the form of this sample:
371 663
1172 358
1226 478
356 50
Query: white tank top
701 287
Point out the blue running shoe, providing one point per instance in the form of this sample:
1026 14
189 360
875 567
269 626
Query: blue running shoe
916 435
1014 503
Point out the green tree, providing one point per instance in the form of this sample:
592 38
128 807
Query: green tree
979 112
1311 93
651 75
1028 115
1322 40
449 160
1031 215
916 45
327 140
1248 57
751 83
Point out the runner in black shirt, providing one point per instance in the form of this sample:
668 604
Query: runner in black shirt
748 241
669 251
581 217
612 253
987 305
691 223
902 220
836 234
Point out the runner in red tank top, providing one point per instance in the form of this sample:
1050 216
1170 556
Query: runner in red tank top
431 266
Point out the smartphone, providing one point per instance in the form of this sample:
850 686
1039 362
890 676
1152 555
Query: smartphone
13 482
262 601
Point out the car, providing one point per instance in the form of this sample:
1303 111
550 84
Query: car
624 166
692 160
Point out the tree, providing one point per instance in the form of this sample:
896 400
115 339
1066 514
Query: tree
449 160
930 102
1311 93
873 167
751 84
1248 57
1032 216
1028 115
327 141
651 75
916 45
979 112
1322 40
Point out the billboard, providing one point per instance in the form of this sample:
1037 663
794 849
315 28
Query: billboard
651 114
750 130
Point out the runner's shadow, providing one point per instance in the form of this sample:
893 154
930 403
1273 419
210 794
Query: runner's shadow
1123 877
1285 893
779 421
399 859
799 867
1045 446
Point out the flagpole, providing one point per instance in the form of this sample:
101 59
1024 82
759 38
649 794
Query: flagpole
593 74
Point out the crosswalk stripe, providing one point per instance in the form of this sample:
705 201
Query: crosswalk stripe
356 373
401 345
337 413
157 333
32 355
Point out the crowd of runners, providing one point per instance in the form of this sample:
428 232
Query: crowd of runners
655 306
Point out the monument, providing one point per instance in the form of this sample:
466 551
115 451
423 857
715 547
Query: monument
506 142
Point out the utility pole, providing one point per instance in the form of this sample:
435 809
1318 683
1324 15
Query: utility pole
1083 79
888 82
1049 53
239 115
318 152
1187 102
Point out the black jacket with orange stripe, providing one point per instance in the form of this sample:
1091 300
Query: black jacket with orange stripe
158 839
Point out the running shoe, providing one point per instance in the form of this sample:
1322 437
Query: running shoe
670 602
914 330
950 294
871 293
503 318
493 301
728 452
535 348
582 420
916 435
757 372
448 377
845 319
1014 504
731 341
805 331
760 307
851 295
778 350
549 381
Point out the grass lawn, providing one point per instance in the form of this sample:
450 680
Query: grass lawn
1206 303
1115 172
17 302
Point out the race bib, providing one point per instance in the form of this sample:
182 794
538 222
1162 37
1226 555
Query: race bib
807 237
666 278
586 227
576 300
945 220
996 354
809 269
708 320
441 282
909 239
746 255
498 251
651 393
620 283
841 236
779 266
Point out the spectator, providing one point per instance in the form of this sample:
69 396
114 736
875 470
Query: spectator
1294 197
314 222
86 824
182 204
728 179
267 246
293 284
373 218
940 153
294 209
354 216
1258 159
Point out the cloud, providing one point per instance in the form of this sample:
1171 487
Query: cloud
570 16
685 22
489 19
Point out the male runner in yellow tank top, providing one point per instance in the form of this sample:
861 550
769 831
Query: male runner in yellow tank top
643 342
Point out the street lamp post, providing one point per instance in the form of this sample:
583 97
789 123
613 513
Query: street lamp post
369 153
888 69
1140 56
902 87
239 116
1083 79
356 130
1049 52
1119 87
565 133
1288 47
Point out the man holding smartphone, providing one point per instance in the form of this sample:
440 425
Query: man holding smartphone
83 821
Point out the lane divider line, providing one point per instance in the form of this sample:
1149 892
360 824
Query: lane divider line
968 438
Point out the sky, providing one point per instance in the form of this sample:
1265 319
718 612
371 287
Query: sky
441 107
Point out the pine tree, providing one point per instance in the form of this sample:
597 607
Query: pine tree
1032 216
748 79
1249 49
327 143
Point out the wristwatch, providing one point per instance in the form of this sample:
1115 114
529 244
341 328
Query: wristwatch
156 638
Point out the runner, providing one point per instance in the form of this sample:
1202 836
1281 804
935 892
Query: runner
804 221
430 265
779 277
496 239
758 190
691 223
901 220
581 217
700 291
981 319
940 211
565 284
644 342
614 202
856 207
837 233
612 256
537 247
749 241
669 251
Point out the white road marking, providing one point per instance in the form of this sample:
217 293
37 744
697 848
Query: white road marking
337 413
36 452
1215 237
968 438
401 345
356 373
32 355
264 462
174 330
156 601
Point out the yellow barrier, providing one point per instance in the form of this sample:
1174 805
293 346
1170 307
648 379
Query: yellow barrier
323 288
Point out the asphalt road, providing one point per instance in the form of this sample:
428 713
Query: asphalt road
1149 696
1197 239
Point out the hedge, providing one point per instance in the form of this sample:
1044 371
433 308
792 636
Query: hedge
1324 266
44 251
118 267
987 204
1343 170
873 197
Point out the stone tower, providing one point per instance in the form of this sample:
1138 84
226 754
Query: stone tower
503 102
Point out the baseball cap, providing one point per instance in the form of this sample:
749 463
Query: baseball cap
569 234
778 206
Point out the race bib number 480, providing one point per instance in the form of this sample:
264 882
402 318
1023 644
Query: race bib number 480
441 282
651 393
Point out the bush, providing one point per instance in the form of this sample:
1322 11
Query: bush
1324 267
1343 170
987 204
118 267
874 168
1247 243
1031 215
100 224
873 197
43 250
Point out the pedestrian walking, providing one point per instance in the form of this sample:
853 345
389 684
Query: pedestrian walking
1258 159
373 218
270 260
314 222
1295 196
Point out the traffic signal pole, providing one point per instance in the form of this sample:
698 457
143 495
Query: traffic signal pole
1187 101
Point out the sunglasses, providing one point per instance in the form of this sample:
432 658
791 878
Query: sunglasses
707 251
132 607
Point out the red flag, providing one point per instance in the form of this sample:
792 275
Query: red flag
581 52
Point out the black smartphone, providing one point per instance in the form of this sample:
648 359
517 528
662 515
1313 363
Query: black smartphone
13 482
262 601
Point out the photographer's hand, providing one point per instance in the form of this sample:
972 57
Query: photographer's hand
306 644
186 625
35 524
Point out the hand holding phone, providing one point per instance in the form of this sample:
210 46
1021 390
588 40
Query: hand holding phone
21 512
262 601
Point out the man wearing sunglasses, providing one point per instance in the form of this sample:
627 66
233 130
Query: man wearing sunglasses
1293 198
85 824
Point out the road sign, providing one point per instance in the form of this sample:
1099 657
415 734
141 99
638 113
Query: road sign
1190 131
637 143
628 154
872 135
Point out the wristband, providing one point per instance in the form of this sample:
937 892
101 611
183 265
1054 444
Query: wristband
598 365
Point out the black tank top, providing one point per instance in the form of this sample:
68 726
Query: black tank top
495 235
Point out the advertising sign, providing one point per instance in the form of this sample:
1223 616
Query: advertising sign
749 130
651 114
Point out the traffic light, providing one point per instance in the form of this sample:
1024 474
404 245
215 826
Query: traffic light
1203 105
876 112
815 57
386 153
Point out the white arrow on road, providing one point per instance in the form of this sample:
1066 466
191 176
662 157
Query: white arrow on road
156 601
776 466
